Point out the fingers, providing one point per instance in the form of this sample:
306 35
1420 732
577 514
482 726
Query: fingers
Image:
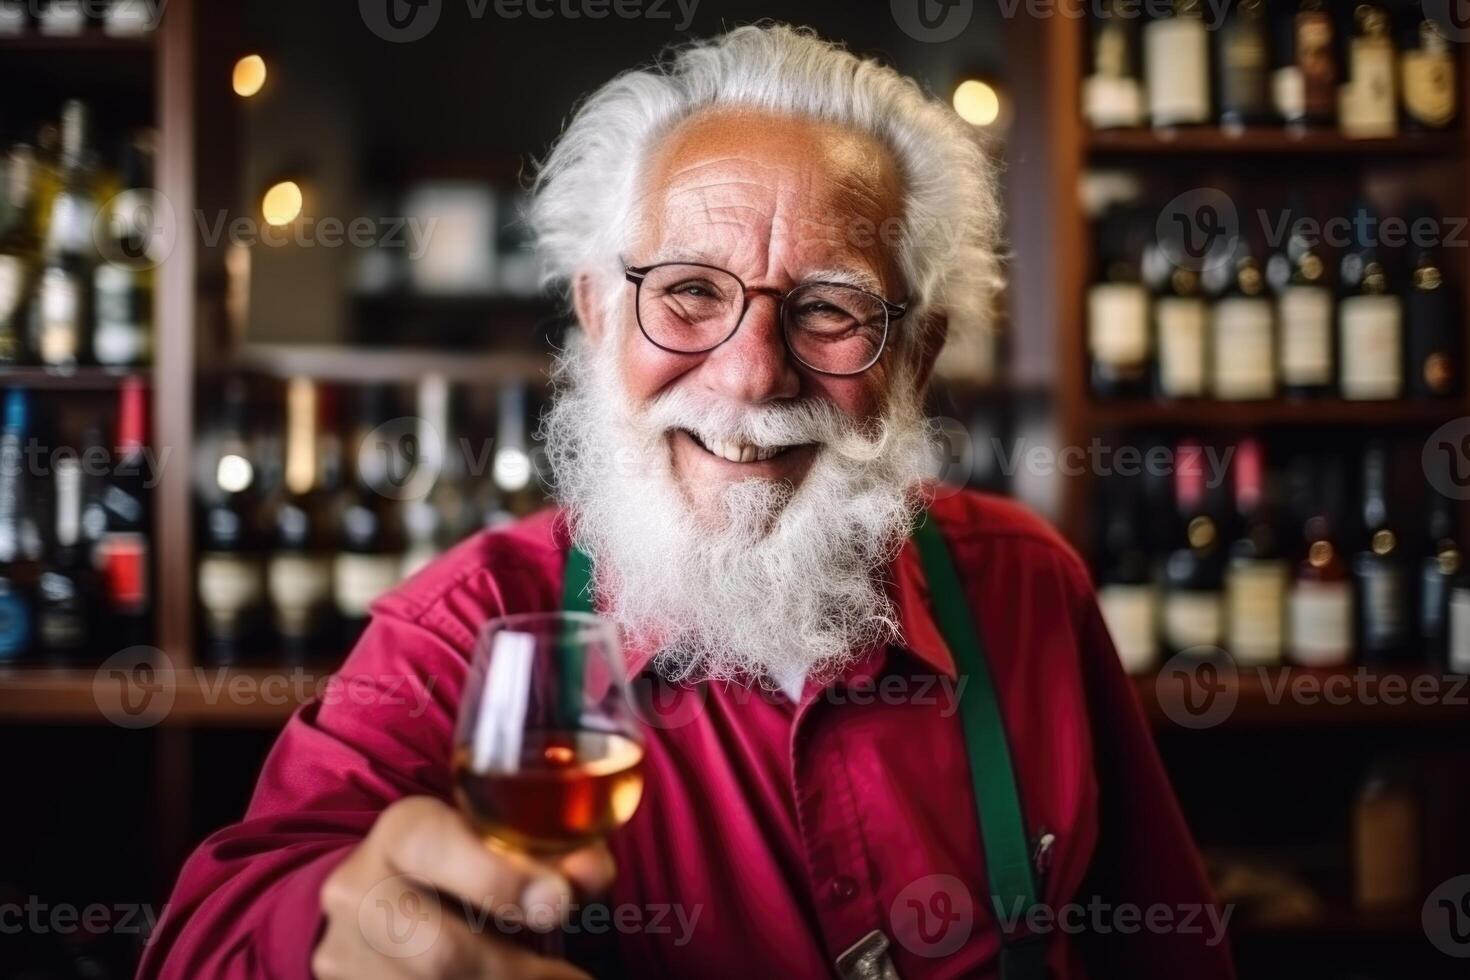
442 947
591 869
431 841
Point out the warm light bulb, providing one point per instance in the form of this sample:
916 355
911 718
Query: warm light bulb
977 103
249 77
282 203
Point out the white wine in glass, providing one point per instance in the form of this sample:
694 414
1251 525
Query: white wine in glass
548 752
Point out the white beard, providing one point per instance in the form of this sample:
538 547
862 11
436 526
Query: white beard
787 582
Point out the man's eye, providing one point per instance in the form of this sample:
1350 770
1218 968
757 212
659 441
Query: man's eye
696 290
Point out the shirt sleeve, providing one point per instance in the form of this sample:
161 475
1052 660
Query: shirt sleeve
1145 858
246 903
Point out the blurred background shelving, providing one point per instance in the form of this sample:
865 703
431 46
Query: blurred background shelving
289 381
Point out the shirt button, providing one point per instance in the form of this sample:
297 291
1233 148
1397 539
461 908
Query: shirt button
843 888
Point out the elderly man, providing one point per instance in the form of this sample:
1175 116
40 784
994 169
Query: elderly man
895 737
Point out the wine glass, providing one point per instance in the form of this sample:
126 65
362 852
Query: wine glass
548 753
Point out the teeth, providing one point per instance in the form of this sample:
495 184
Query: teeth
738 452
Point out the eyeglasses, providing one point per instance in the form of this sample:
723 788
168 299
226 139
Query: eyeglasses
831 328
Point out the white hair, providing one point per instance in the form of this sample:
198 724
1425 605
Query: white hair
586 191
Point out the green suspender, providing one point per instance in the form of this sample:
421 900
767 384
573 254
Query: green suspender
992 777
997 801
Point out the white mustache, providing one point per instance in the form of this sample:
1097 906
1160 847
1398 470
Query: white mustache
809 421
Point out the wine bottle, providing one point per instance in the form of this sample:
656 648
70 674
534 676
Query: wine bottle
1368 103
1117 312
514 470
1181 322
1379 570
1442 565
1429 80
1112 95
1243 64
122 554
1192 611
1370 320
61 310
16 574
123 282
1256 577
427 517
1305 88
370 543
299 572
1176 58
62 18
1458 656
1127 593
1432 326
1242 336
19 252
1303 314
231 565
64 590
1386 840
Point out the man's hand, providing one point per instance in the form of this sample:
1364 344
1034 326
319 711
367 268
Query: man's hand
421 897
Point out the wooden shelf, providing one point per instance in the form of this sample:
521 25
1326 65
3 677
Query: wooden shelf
80 379
1265 141
202 696
1286 697
1273 412
340 363
1336 922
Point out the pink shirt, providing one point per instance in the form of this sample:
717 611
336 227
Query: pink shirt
772 836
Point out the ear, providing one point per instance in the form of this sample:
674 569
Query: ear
587 302
934 336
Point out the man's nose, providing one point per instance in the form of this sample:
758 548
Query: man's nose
754 365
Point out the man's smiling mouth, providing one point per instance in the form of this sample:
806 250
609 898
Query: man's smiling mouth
735 451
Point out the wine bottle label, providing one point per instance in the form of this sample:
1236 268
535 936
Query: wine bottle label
1117 323
63 18
15 625
1289 93
1255 611
1315 59
59 312
229 584
1181 327
1429 88
1320 623
1372 328
1245 71
1384 608
359 579
13 19
1459 652
1368 107
1242 355
123 316
1191 619
123 558
1110 102
1131 613
1305 317
12 289
1176 56
300 586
